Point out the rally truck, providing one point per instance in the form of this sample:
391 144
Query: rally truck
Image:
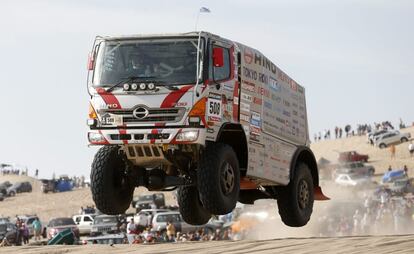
210 117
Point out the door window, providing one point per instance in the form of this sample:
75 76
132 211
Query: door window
223 72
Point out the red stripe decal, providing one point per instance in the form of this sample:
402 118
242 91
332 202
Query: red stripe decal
109 98
104 142
236 98
172 98
122 132
154 131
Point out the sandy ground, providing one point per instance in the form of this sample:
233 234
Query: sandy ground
289 240
346 245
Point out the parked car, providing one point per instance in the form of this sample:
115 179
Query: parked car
352 180
48 185
393 175
84 223
159 223
108 239
8 230
4 186
105 224
373 135
148 214
358 168
19 187
146 201
392 137
402 186
351 156
59 224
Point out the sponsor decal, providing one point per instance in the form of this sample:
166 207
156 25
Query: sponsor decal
263 91
236 100
246 97
244 117
248 56
293 86
244 107
181 104
257 101
268 105
248 86
228 87
274 85
214 96
256 120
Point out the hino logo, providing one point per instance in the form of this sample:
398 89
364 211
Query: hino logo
140 112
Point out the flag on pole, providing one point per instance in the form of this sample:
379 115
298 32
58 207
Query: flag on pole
204 10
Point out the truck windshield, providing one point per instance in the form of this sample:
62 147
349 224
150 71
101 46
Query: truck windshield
171 61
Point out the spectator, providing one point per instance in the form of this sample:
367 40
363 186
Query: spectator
411 148
405 170
131 227
25 230
37 227
392 150
170 231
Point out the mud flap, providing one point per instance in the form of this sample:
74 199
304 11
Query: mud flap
318 195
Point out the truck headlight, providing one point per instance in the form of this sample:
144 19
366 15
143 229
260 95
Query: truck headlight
187 136
96 137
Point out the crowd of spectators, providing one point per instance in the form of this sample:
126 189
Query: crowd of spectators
348 131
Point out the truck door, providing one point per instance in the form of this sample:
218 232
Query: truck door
224 74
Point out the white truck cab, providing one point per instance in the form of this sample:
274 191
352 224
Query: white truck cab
209 116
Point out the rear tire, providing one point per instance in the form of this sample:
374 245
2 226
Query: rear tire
190 206
112 190
295 201
382 146
404 140
218 179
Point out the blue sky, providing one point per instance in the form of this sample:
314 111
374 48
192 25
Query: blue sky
355 59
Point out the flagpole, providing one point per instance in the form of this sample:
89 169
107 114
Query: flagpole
198 16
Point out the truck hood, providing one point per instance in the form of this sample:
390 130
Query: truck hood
124 103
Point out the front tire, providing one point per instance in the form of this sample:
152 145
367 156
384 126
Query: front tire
218 179
112 190
295 201
190 206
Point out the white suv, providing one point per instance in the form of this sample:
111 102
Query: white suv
391 137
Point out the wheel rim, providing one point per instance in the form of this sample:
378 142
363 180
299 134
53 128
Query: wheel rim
303 194
227 178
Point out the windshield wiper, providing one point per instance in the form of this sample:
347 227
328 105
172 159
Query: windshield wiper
128 79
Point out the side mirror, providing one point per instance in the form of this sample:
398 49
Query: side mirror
91 61
218 59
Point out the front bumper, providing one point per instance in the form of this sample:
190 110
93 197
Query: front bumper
147 136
